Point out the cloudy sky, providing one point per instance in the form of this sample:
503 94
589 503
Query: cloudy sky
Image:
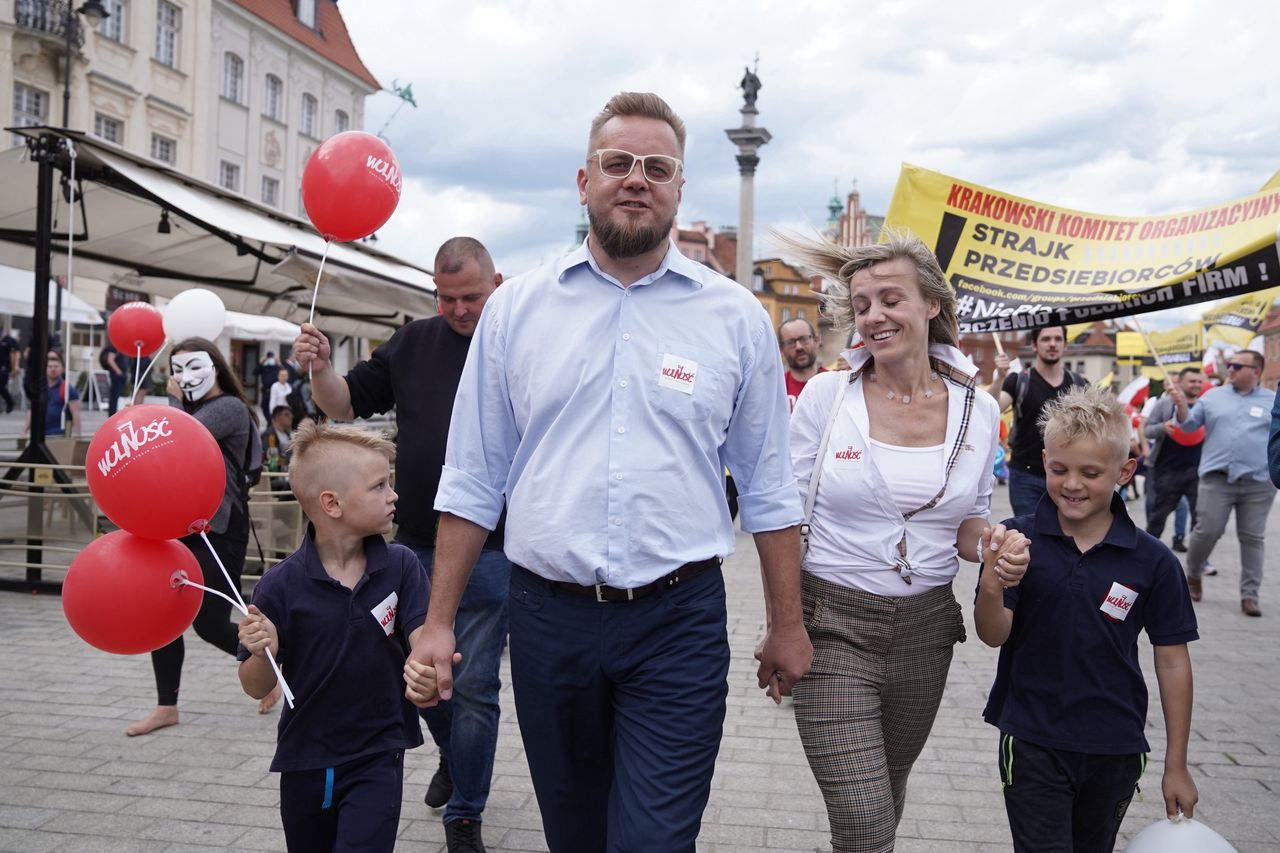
1125 108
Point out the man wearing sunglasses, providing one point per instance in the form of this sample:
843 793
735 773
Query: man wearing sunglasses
603 395
1233 471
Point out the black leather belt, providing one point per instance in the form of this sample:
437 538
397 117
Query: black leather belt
612 594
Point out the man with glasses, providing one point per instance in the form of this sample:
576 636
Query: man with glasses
1233 471
603 394
799 342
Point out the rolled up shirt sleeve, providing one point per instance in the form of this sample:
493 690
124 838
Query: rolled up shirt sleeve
483 435
755 448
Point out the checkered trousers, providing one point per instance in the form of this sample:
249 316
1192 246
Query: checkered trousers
866 707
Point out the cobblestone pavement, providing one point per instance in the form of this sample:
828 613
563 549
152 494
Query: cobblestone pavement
71 781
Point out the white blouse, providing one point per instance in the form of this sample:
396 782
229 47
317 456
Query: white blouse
857 518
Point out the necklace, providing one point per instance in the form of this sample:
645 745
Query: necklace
906 398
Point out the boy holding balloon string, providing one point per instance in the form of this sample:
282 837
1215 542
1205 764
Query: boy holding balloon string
340 615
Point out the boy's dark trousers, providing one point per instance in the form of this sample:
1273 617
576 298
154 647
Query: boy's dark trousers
351 807
1065 802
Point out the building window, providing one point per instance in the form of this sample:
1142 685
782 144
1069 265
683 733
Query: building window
168 23
30 108
341 122
232 77
270 191
272 96
108 128
786 315
307 122
163 149
307 13
229 176
112 26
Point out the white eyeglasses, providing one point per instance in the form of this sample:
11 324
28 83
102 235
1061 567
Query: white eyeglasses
656 168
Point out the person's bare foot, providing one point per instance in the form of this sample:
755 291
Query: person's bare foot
270 700
162 717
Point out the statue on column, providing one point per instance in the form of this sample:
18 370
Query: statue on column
750 87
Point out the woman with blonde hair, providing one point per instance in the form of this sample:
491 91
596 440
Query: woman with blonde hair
894 460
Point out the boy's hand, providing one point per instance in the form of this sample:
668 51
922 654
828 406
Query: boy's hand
257 634
420 681
1005 555
1180 794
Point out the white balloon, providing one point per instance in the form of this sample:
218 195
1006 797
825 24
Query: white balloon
195 313
1180 836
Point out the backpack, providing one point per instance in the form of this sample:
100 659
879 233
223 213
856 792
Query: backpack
1072 380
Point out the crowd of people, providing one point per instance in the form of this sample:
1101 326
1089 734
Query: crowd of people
572 499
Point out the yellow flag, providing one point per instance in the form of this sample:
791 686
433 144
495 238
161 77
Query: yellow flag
1272 184
1236 322
1106 381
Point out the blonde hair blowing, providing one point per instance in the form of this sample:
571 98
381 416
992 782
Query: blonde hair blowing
838 264
1087 412
643 104
315 452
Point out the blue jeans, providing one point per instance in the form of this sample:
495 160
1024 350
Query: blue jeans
621 710
1180 519
466 727
1025 491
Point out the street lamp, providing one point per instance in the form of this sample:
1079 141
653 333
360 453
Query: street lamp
95 14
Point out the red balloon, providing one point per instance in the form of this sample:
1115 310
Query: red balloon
121 593
156 472
134 326
1187 439
351 185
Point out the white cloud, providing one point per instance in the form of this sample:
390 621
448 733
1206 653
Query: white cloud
1130 108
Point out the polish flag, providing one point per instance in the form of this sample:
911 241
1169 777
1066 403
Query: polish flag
1135 393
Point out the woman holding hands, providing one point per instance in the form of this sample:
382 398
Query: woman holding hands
894 459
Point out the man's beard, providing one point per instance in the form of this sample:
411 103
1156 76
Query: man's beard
801 360
1051 359
620 241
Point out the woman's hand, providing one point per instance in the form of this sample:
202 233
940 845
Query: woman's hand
1006 554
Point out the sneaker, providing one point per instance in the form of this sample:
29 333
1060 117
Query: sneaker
1179 545
1248 606
441 787
1209 570
463 836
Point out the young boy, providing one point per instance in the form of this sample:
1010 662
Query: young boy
340 614
1069 697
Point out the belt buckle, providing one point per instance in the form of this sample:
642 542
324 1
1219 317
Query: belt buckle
600 587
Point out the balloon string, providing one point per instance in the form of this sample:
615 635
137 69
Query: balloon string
150 367
239 603
137 368
315 293
220 594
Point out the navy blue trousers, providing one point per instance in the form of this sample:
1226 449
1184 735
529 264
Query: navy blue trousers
344 809
621 709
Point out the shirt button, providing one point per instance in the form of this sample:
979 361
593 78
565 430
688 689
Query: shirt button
622 384
617 522
626 336
621 430
617 476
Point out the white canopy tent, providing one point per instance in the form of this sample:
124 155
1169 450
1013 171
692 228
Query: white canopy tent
255 327
16 293
257 259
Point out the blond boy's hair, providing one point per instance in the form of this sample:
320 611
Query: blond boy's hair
1087 412
316 451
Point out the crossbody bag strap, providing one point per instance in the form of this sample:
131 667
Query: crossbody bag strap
817 467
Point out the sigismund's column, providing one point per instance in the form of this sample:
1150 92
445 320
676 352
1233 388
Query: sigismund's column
748 138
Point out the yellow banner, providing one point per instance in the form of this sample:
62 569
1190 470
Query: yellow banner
1179 347
1237 322
1021 264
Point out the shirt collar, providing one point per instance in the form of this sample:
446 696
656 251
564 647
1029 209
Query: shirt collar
859 356
1121 534
375 555
674 261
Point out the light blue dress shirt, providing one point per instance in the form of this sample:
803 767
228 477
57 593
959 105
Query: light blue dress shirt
1236 427
606 416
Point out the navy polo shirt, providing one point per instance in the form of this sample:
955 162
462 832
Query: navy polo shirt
1068 676
343 652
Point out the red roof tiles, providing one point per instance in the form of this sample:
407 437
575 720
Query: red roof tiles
330 39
